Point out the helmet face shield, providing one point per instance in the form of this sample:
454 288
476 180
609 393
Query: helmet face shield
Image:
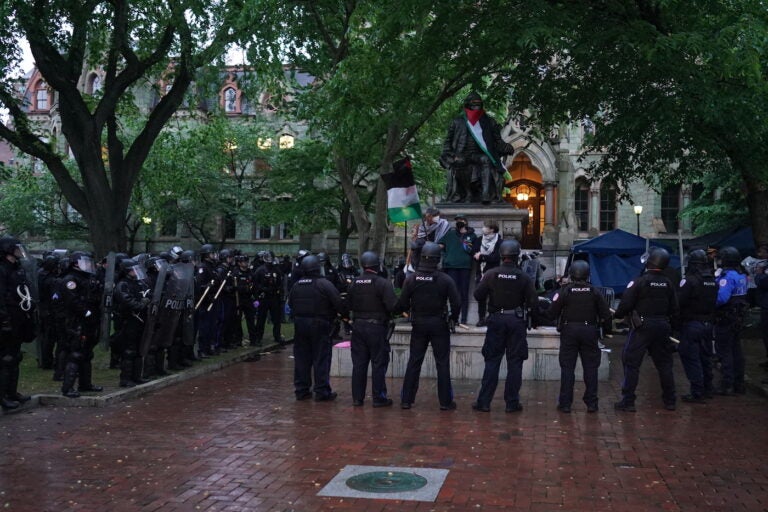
20 252
139 272
85 263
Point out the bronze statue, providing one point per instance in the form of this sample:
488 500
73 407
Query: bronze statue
472 156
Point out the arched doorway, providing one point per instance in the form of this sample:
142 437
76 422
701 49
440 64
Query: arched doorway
525 190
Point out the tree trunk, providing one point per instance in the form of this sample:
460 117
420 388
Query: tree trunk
357 209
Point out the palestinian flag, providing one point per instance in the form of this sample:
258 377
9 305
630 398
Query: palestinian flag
402 196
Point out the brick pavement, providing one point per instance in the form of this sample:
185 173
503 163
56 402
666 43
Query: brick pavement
235 440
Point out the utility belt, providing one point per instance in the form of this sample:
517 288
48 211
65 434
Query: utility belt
579 322
371 321
707 320
636 320
519 312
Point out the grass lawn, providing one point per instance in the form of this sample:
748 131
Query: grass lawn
33 380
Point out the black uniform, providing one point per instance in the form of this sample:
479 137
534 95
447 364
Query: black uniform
17 326
244 296
425 294
205 318
651 303
581 308
315 303
697 295
131 300
268 284
77 300
372 300
510 295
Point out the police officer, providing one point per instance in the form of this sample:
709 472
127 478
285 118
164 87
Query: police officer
582 309
206 284
17 324
651 303
732 305
268 284
244 295
425 295
132 296
49 272
77 300
511 296
296 272
697 295
372 300
315 303
225 328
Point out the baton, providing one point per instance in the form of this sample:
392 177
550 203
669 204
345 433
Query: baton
674 340
202 297
221 286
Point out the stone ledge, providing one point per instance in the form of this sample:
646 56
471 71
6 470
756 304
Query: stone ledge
467 361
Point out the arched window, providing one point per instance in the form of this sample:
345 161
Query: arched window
581 204
230 100
41 95
607 207
670 208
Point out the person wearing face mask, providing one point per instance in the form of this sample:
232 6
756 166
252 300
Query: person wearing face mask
458 248
487 256
472 154
431 229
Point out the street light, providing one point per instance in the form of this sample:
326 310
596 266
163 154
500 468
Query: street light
638 211
147 221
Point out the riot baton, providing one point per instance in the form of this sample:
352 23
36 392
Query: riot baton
202 297
221 286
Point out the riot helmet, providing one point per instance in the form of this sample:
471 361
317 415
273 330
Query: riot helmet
658 259
369 259
50 263
175 252
207 252
729 257
165 255
83 262
697 258
347 262
12 246
187 256
268 257
430 256
302 254
129 265
310 265
225 254
509 249
579 270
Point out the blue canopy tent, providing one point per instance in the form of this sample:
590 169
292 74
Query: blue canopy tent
614 258
740 238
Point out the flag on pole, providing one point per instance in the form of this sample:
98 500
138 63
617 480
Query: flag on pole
402 196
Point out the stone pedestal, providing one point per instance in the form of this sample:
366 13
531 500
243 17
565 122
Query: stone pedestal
510 219
467 361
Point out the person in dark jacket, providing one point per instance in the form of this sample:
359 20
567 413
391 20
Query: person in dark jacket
581 310
424 297
372 300
132 296
315 304
732 306
650 302
511 298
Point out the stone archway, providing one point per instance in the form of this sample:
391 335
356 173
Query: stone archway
525 190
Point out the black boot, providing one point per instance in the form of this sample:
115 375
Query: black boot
13 387
174 362
160 362
138 370
86 383
68 382
126 373
5 377
58 366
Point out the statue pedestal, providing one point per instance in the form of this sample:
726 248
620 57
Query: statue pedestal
467 361
510 219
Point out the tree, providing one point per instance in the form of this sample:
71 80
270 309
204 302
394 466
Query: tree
136 43
384 69
677 90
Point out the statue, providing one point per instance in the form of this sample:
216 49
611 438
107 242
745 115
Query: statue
471 155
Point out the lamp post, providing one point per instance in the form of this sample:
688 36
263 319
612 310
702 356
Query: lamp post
147 222
638 211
